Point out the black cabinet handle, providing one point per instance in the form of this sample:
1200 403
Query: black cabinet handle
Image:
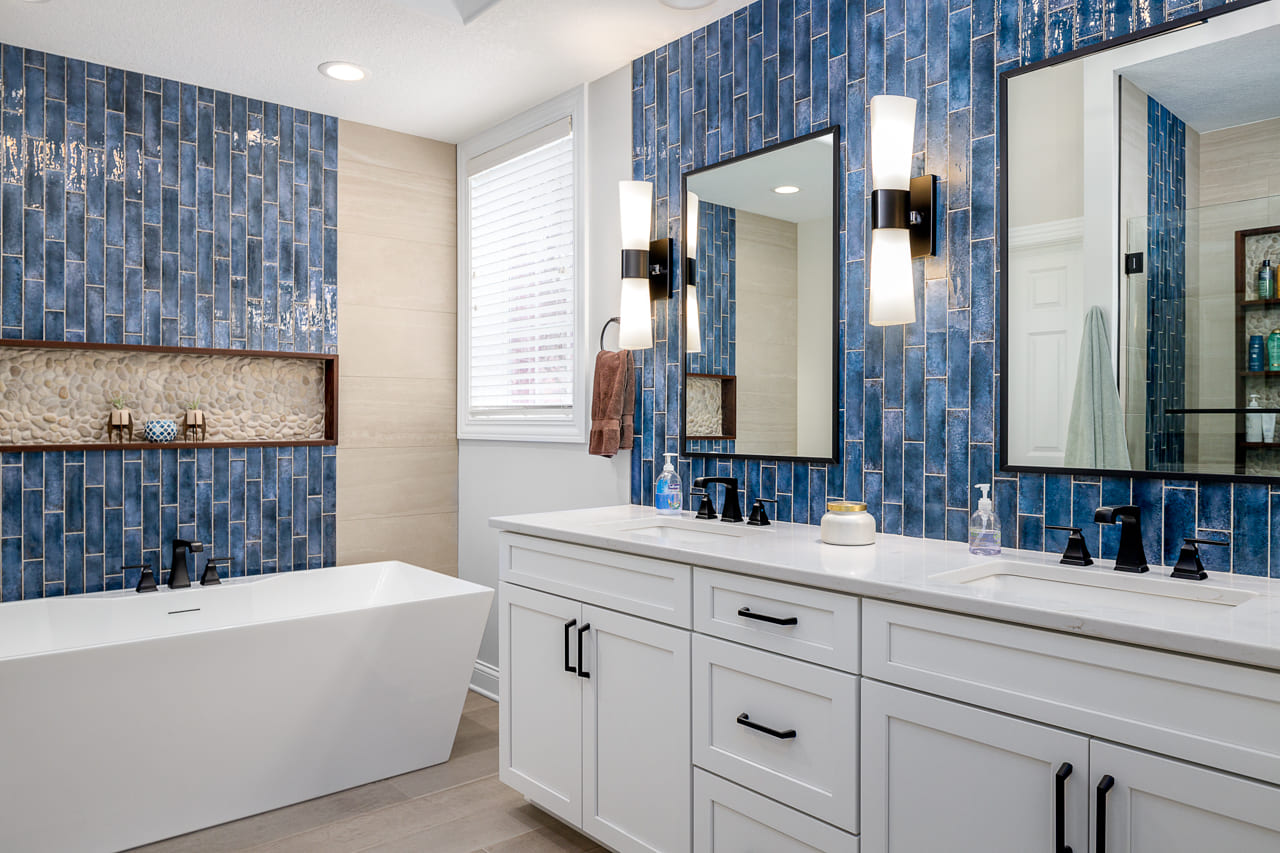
1060 808
744 720
746 613
568 626
582 666
1105 784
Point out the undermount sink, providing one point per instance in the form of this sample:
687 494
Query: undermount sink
1076 588
676 530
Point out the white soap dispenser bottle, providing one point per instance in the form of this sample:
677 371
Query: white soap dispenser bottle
984 526
667 495
1252 422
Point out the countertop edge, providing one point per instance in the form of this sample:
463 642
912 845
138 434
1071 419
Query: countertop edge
1165 640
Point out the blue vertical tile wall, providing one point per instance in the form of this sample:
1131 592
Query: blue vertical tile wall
717 302
1166 287
778 68
139 210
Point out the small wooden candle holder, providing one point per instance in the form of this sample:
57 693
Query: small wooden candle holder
195 422
121 420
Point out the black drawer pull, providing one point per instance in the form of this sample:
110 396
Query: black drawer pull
582 664
1105 784
746 613
1060 808
568 626
744 720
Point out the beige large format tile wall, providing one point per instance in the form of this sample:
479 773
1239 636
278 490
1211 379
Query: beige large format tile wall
397 312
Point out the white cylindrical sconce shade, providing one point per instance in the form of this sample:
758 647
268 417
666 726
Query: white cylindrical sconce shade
892 297
692 323
635 324
893 137
691 226
635 202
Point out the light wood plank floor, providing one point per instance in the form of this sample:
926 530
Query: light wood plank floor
455 807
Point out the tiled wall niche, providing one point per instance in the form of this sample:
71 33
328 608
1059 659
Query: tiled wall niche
919 402
140 210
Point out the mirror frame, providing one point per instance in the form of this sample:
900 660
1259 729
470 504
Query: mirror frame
1002 201
837 283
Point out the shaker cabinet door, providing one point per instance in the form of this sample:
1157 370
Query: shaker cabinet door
637 790
540 723
1149 804
938 775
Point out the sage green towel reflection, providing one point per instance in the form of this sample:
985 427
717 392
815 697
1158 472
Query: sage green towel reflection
1095 432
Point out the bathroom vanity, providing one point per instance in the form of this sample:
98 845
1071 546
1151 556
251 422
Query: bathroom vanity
671 684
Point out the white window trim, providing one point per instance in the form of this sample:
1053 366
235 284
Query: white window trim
571 104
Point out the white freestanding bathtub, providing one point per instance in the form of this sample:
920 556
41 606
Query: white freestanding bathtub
127 718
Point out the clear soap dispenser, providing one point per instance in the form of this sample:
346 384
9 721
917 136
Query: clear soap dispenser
984 526
667 495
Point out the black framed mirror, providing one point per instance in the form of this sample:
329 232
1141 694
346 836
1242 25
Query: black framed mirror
1139 236
760 303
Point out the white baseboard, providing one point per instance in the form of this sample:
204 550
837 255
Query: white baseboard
484 680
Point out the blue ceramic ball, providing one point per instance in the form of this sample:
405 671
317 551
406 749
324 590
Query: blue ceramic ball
161 431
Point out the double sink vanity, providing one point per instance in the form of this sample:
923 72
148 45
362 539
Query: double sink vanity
674 684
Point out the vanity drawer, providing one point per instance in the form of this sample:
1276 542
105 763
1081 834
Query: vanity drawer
807 754
731 819
653 589
1212 713
825 630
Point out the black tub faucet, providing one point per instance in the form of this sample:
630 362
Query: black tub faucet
732 510
1132 557
179 577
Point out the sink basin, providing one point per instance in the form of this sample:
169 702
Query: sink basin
679 531
1076 589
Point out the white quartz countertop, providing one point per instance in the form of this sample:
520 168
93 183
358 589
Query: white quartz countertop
923 572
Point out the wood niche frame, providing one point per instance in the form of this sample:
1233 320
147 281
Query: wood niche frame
330 361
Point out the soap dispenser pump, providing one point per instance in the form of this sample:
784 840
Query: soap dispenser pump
667 495
984 526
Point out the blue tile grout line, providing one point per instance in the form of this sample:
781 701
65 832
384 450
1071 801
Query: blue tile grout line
140 210
918 404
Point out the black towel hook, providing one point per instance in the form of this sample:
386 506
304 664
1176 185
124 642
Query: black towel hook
607 324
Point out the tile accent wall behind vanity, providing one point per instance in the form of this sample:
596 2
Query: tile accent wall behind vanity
147 211
919 402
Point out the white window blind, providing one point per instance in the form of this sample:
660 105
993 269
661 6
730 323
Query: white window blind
522 285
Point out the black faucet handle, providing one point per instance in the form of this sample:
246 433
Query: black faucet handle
1077 551
210 575
706 509
147 581
1189 566
760 518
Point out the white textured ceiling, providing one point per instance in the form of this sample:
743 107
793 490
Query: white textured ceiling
430 73
1214 86
748 184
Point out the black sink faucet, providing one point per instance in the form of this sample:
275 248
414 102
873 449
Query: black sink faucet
732 510
179 577
1132 557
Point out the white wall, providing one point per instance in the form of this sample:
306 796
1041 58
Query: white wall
813 318
503 478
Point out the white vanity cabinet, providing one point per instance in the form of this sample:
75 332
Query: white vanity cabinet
936 770
594 710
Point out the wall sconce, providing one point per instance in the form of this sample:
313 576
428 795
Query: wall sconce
902 212
692 323
646 265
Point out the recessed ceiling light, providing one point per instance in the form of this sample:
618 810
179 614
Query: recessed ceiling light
687 4
348 72
786 189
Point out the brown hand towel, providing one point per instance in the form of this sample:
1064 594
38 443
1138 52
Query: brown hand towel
612 404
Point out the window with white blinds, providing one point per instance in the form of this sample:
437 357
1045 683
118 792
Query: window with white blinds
522 285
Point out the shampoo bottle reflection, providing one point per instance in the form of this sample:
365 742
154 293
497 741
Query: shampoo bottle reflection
1253 422
1273 350
1266 281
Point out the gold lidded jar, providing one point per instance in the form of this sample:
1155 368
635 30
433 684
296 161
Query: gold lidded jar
848 523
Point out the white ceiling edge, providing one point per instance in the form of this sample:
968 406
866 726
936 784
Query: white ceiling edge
431 74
